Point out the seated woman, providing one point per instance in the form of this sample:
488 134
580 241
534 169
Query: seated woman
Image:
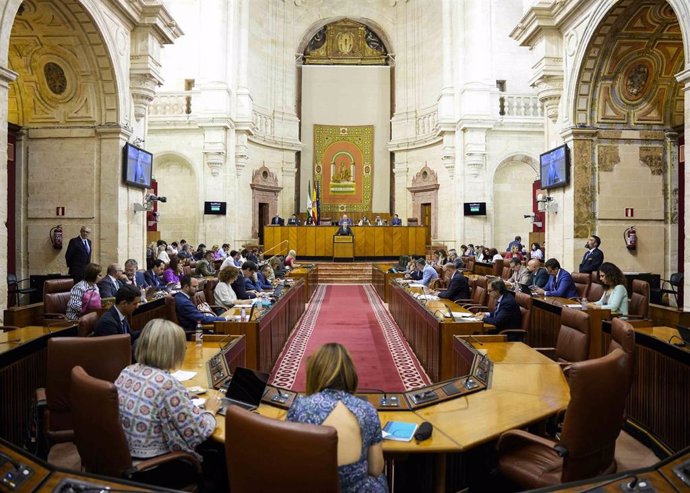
290 260
615 296
536 252
156 412
364 222
331 380
84 295
223 294
172 274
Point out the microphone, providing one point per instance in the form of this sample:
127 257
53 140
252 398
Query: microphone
427 395
222 341
385 400
424 431
624 487
443 315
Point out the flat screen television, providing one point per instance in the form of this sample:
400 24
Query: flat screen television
215 208
137 166
475 208
555 167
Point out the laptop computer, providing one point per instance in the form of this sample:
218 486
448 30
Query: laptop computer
246 389
526 289
684 333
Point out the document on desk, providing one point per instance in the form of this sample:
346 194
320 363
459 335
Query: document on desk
417 285
428 297
399 431
183 376
464 315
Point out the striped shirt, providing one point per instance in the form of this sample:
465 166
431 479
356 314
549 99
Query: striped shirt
76 295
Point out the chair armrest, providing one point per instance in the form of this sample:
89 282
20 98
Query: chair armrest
519 334
40 396
549 352
55 316
515 438
163 459
463 300
476 308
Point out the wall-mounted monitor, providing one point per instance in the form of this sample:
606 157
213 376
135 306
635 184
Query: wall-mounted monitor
555 167
215 208
475 208
137 166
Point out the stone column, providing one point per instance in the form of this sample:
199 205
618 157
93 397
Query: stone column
684 78
402 196
6 77
671 199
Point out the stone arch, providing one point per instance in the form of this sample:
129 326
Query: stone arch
178 181
511 198
321 23
607 13
82 88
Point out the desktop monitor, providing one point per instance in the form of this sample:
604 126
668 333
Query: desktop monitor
475 208
215 208
137 166
555 167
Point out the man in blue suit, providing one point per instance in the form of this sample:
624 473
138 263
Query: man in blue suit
187 313
560 282
114 321
506 315
111 283
134 277
458 286
594 257
396 221
78 254
153 277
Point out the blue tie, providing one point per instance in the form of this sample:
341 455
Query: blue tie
125 326
86 246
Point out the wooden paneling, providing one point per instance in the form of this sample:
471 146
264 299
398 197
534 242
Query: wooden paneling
658 400
370 241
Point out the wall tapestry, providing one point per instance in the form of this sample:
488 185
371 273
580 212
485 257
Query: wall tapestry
343 165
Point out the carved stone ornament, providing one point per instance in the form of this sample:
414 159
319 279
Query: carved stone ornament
345 42
214 157
143 88
425 179
264 179
55 78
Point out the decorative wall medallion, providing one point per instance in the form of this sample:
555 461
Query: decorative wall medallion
55 78
345 42
636 80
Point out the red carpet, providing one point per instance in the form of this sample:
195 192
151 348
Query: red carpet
354 316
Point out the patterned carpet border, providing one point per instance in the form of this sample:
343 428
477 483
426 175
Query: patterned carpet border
293 352
411 374
410 371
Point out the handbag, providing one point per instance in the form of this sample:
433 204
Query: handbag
90 300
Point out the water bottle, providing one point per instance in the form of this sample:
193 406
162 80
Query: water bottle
243 315
199 335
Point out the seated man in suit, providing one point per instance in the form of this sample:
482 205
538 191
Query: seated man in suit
134 277
378 221
560 282
594 257
506 315
458 285
344 230
345 220
428 271
239 286
520 274
538 276
396 221
187 313
114 321
293 221
277 220
204 267
112 282
153 276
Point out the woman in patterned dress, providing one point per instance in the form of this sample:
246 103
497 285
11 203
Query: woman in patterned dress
331 381
156 412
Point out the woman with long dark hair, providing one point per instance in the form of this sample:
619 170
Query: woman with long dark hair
615 296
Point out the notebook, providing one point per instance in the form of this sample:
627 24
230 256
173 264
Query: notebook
246 389
400 431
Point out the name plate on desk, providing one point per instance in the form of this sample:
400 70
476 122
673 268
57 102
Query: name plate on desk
343 239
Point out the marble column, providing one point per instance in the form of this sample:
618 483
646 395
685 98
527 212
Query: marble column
6 77
684 78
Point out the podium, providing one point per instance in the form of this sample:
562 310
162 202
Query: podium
344 247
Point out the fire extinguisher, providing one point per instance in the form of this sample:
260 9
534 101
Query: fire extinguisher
56 237
630 237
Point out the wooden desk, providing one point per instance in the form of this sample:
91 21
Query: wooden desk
545 322
310 277
381 278
658 402
266 334
526 388
428 332
22 370
371 241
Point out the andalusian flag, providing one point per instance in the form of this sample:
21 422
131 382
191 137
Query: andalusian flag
317 203
309 202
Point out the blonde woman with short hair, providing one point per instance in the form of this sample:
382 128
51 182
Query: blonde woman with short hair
331 381
290 260
223 294
156 412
